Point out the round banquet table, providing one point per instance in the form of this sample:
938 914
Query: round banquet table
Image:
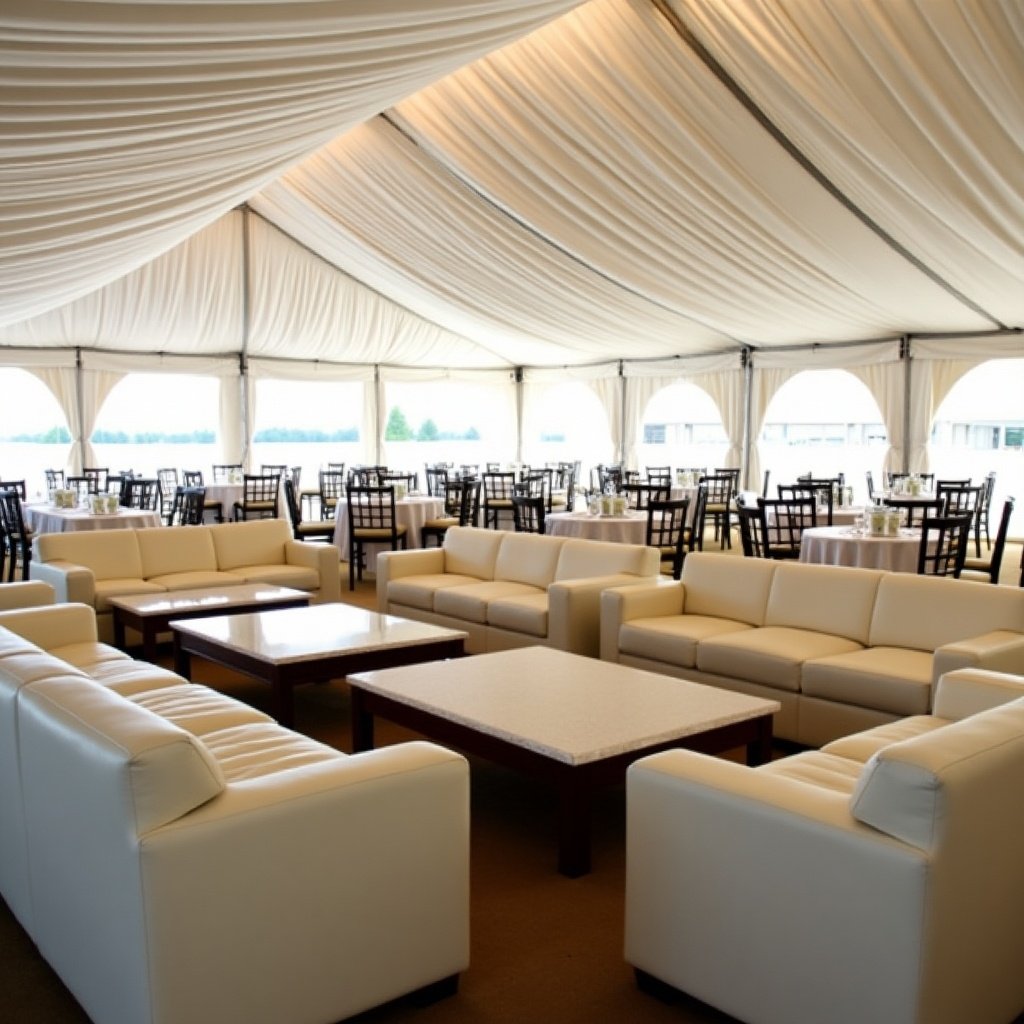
841 545
411 512
630 528
47 519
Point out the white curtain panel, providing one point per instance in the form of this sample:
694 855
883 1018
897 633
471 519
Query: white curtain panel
913 109
125 127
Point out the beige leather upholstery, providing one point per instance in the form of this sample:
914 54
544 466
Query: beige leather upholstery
91 567
177 856
841 648
875 880
510 589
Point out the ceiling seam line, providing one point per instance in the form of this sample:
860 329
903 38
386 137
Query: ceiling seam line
545 239
712 64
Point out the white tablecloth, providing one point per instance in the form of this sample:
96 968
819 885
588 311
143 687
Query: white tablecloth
47 519
411 512
839 545
628 529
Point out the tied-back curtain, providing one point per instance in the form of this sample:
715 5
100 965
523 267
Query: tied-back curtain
125 127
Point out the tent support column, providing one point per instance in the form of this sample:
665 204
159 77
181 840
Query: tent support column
620 455
748 397
905 359
79 396
243 376
518 379
378 417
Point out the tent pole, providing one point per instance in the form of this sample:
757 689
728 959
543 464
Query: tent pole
518 379
243 374
905 357
748 388
79 392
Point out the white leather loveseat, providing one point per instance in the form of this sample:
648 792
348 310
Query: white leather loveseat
93 566
841 648
876 880
179 857
507 589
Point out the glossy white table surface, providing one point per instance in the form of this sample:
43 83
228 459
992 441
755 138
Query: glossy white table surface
841 545
44 518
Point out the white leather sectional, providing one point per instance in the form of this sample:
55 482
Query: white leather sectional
876 880
507 589
93 566
178 857
842 649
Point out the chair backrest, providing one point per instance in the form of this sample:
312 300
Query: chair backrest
141 493
700 503
956 498
192 477
81 485
752 530
273 468
469 506
721 487
260 489
998 546
821 496
764 483
784 521
54 478
666 530
294 513
371 508
97 475
14 485
871 485
332 484
659 475
528 513
610 478
436 479
944 545
10 516
640 496
408 480
498 486
224 471
187 508
536 484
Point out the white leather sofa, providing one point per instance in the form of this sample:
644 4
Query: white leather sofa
842 649
877 880
507 589
93 566
179 857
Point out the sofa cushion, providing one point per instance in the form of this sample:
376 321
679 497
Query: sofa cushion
771 655
89 655
175 549
256 542
926 612
528 558
130 677
195 579
255 750
673 638
727 588
912 790
198 709
526 614
158 770
119 587
826 599
25 667
419 591
862 746
817 768
470 551
470 602
581 559
891 679
108 554
297 577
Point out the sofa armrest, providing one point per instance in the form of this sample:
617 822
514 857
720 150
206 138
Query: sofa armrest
70 582
1002 650
639 601
393 565
26 594
967 691
574 612
321 557
53 625
349 878
734 875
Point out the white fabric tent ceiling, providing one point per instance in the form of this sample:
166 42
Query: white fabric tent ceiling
629 179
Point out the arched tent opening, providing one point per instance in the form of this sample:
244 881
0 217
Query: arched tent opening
823 422
682 427
33 430
567 422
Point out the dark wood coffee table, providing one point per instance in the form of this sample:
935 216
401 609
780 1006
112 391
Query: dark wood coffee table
150 614
309 645
573 721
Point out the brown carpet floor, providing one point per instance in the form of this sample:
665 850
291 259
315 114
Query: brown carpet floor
544 948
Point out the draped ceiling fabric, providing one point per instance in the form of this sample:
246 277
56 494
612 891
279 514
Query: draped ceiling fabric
497 184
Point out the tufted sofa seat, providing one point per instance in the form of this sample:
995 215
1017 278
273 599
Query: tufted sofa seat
508 589
841 648
178 856
92 567
877 879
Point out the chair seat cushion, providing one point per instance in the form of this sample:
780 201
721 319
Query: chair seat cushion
891 679
526 614
829 771
771 655
673 638
376 533
470 602
419 591
441 524
198 709
862 746
256 750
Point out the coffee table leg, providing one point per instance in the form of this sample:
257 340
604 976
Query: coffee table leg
362 723
182 659
149 635
759 751
118 630
573 825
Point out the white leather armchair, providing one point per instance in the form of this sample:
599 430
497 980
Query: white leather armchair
878 880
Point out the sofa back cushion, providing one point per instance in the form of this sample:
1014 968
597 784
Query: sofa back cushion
923 613
142 768
169 549
527 558
960 783
470 551
823 598
109 554
256 542
726 587
581 559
